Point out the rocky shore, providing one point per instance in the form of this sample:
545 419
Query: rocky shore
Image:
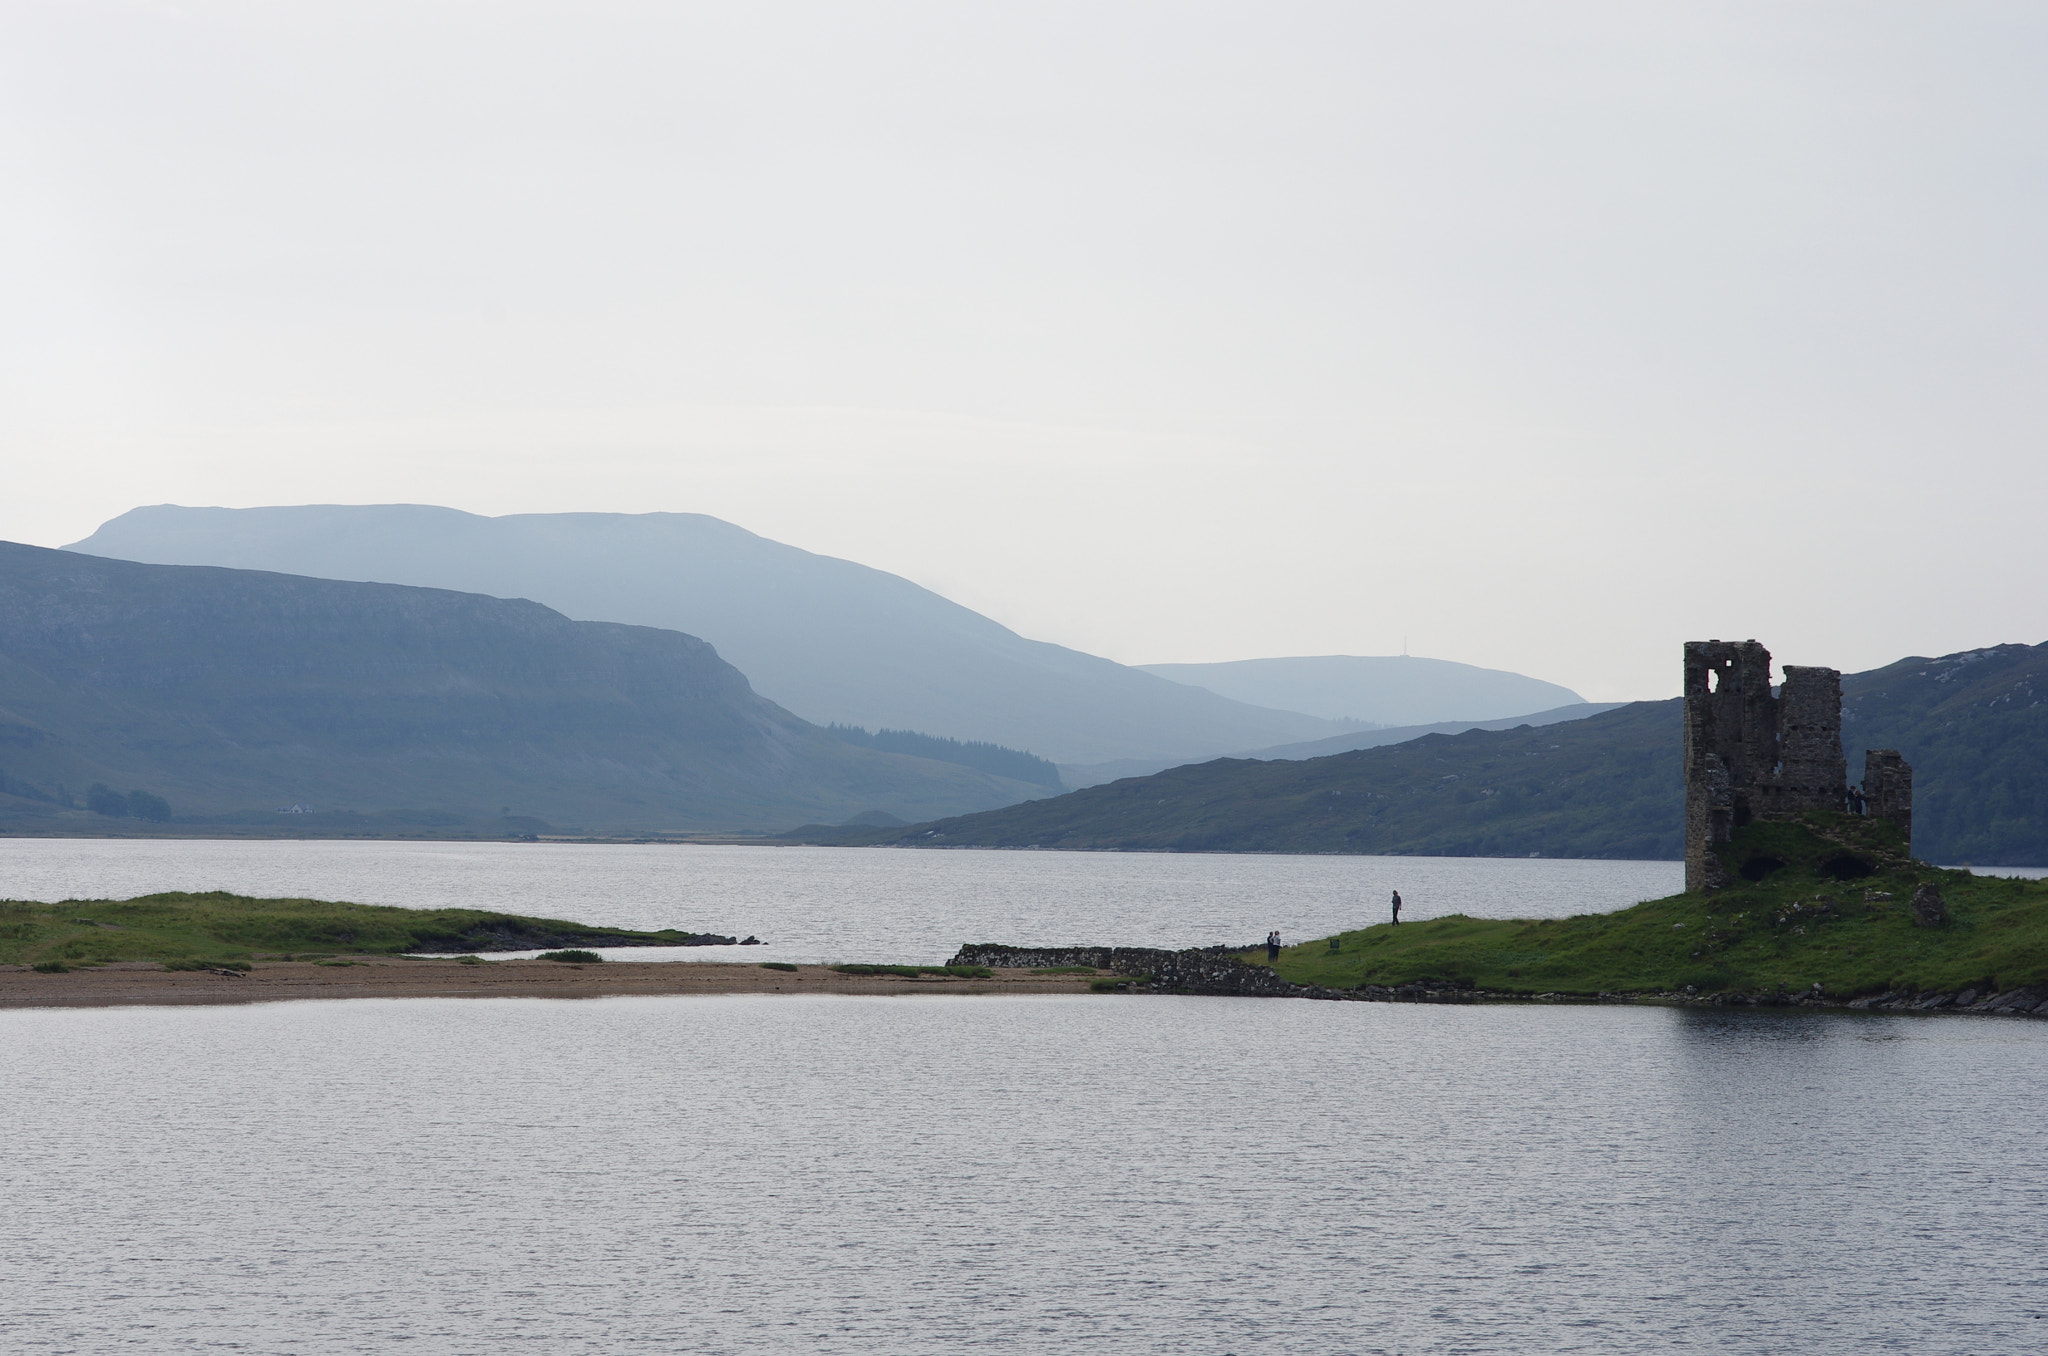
512 934
1214 972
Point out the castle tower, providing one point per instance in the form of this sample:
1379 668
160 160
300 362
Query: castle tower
1754 754
1731 734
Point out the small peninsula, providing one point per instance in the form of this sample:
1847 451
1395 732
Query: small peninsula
217 947
218 926
1830 910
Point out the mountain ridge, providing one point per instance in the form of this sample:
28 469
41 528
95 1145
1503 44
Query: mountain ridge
832 640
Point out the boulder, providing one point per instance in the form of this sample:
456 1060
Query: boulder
1928 909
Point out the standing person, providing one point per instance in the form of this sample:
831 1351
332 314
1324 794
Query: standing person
1397 906
1273 946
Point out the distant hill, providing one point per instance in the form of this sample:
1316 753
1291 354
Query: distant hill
231 693
831 640
1382 689
1607 786
1096 774
1974 726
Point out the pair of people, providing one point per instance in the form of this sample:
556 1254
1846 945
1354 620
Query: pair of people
1273 937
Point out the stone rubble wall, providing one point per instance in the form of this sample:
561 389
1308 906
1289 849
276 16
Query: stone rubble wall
1811 773
1888 789
1210 971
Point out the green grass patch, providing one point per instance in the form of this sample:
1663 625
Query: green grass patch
1799 924
571 957
50 967
777 965
218 926
919 971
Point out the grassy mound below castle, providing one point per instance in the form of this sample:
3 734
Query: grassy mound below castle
218 926
1823 901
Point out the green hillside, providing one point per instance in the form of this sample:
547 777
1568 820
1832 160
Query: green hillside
227 694
1974 726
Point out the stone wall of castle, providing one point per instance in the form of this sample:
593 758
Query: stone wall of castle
1754 754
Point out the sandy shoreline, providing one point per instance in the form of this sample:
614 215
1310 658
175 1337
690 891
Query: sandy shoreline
141 982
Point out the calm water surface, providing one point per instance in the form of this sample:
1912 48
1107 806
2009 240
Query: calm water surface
853 904
944 1175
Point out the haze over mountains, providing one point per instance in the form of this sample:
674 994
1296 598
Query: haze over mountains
828 639
1396 689
230 691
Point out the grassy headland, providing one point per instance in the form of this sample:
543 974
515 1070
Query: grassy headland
219 926
1810 917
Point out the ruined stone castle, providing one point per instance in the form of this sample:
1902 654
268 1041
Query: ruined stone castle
1751 753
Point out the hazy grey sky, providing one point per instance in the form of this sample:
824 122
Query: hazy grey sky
1548 335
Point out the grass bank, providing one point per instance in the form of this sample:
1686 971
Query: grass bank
1829 904
218 926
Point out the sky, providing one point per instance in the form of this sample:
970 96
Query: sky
1538 336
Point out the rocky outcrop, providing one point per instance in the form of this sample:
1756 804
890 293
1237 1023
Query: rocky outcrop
2027 1002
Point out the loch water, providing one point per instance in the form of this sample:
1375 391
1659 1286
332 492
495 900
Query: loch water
945 1174
849 904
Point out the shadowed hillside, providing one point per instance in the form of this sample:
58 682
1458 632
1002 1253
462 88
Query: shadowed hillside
1975 728
1344 743
1607 786
231 690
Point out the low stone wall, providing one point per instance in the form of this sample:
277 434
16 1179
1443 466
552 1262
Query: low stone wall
1208 970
